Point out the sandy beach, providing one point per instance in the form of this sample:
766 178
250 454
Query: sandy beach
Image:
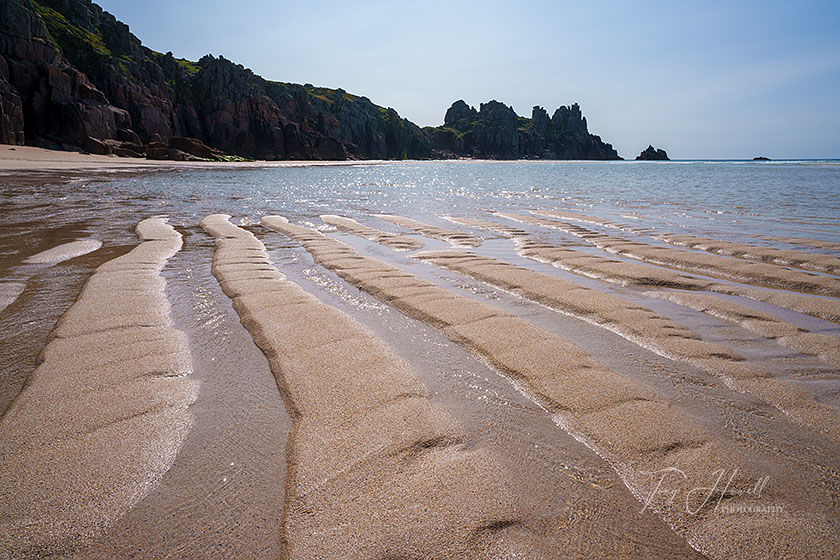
294 375
22 159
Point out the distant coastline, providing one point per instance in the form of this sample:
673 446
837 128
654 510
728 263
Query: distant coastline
84 82
15 159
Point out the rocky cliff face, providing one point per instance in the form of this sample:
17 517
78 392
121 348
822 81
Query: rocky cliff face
70 72
43 95
73 77
496 131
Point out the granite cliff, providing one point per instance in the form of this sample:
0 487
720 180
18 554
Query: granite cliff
70 72
496 131
74 77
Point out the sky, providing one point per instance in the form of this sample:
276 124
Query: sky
701 79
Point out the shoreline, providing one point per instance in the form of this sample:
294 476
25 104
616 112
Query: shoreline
337 364
29 158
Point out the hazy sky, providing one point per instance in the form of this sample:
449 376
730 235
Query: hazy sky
701 79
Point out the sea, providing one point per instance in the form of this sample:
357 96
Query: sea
727 199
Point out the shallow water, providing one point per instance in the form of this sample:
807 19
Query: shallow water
226 487
779 199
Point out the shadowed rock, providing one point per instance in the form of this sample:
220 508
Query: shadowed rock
652 154
495 131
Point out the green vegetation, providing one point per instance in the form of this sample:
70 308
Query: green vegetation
232 158
329 95
326 95
190 68
457 133
445 129
73 41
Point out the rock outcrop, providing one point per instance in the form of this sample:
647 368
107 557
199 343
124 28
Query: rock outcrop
495 131
652 154
72 75
43 95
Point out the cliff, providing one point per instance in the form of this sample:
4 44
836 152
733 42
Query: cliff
74 77
496 131
70 71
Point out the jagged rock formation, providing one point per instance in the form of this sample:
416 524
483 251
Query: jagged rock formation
652 154
496 131
73 77
70 72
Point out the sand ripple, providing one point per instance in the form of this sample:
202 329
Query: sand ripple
786 257
634 429
375 469
453 237
9 292
392 240
65 252
729 268
102 417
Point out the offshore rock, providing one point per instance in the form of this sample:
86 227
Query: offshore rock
652 154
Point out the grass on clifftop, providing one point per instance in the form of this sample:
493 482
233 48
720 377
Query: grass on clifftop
73 41
327 95
190 68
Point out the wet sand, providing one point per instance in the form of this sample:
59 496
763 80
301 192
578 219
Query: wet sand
276 391
626 273
634 429
453 237
806 242
824 346
364 432
664 336
64 252
759 274
394 241
9 292
103 416
785 257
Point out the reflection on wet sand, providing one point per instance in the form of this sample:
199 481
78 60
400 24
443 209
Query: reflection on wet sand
398 242
102 417
729 268
634 429
537 392
366 439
